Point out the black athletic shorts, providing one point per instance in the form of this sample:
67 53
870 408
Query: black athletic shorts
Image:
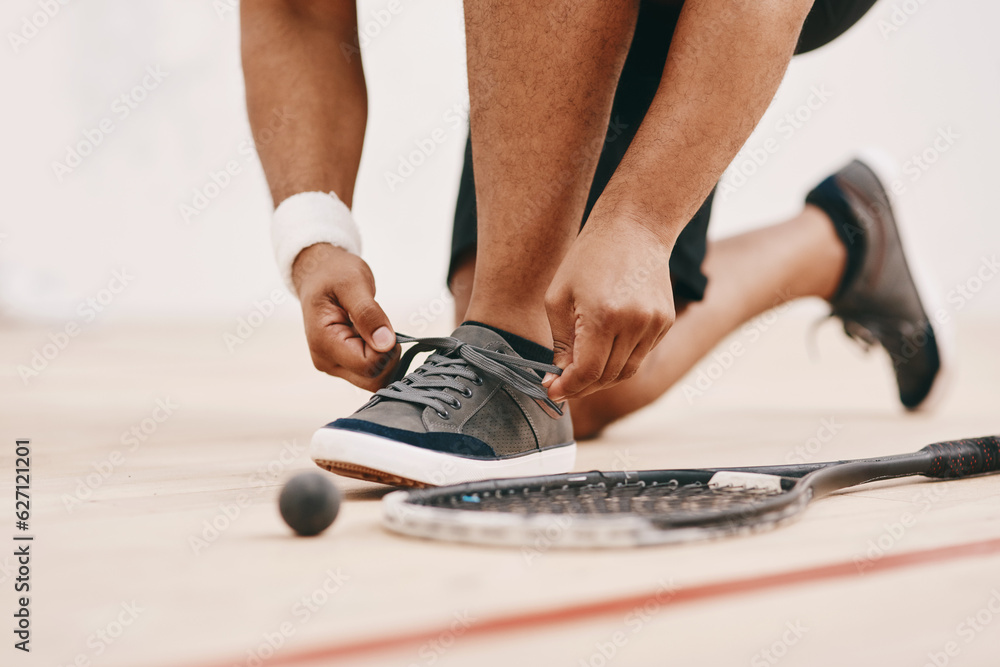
640 77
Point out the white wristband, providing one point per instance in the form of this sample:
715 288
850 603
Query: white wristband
309 218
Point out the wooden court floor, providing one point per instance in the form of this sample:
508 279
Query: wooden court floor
157 455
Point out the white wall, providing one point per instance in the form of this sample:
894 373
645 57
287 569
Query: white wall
62 240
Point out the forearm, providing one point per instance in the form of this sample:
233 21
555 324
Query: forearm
294 67
725 63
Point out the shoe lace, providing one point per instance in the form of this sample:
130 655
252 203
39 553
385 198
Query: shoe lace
862 334
454 360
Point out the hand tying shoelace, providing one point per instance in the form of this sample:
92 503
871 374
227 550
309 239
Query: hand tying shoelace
473 408
453 360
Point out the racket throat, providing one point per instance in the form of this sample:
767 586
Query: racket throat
826 481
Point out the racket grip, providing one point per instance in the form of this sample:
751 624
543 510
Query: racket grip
961 458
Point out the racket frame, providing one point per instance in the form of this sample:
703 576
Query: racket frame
800 484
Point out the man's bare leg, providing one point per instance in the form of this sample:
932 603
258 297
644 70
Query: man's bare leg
748 275
542 77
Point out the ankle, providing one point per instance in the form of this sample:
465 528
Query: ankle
829 256
829 199
516 321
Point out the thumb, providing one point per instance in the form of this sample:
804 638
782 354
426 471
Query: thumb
562 322
358 299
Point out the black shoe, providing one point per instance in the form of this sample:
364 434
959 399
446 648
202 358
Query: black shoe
882 298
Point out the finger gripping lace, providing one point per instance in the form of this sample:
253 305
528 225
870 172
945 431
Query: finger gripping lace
437 383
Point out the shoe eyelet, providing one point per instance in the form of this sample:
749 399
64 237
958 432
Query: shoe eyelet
467 393
478 381
443 415
457 404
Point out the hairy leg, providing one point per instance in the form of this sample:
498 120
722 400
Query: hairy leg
542 77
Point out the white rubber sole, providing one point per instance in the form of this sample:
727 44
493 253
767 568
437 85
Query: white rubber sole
931 298
378 459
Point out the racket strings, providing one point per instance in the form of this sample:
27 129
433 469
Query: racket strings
600 499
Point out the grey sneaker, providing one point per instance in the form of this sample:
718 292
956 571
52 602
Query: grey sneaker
474 410
882 298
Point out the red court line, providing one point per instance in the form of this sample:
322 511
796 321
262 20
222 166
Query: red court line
532 620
